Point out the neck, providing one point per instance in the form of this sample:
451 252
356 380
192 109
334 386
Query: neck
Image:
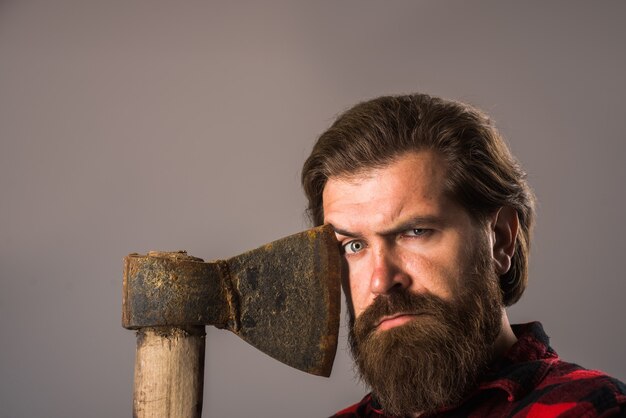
505 339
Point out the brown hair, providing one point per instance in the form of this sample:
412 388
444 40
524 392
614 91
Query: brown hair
482 173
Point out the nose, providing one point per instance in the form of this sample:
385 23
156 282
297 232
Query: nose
387 273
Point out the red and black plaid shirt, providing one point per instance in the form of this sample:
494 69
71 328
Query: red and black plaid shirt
530 381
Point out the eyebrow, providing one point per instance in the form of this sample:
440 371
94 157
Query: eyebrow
344 232
403 226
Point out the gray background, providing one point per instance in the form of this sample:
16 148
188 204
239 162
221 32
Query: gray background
127 126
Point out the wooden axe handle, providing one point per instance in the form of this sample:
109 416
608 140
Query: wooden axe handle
169 372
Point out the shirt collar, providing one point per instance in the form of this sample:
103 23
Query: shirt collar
524 365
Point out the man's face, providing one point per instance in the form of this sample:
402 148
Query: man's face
424 299
399 230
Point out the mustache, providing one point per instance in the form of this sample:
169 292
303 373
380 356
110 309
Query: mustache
402 302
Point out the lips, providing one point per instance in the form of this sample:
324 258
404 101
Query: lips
397 309
396 320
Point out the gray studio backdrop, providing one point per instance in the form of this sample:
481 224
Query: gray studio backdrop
127 126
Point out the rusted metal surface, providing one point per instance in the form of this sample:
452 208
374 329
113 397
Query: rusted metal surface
283 298
172 289
289 296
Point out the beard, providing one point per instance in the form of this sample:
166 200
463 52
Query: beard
434 360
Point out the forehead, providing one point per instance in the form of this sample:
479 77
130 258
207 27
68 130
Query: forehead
414 182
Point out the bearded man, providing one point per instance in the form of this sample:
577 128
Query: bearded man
434 217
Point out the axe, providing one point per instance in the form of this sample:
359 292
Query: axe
283 298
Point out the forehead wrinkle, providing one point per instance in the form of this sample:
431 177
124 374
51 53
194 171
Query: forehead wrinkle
407 188
396 224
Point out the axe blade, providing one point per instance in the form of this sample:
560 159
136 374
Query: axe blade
289 299
283 298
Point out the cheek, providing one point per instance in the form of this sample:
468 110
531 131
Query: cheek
360 296
434 272
358 284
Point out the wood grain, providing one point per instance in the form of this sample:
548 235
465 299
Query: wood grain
169 372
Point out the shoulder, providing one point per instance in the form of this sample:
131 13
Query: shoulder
547 386
563 374
570 388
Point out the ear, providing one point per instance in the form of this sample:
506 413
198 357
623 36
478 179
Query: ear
505 224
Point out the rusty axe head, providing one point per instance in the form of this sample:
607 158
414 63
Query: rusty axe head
283 298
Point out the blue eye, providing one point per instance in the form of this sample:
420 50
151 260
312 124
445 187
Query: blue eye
353 247
416 232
